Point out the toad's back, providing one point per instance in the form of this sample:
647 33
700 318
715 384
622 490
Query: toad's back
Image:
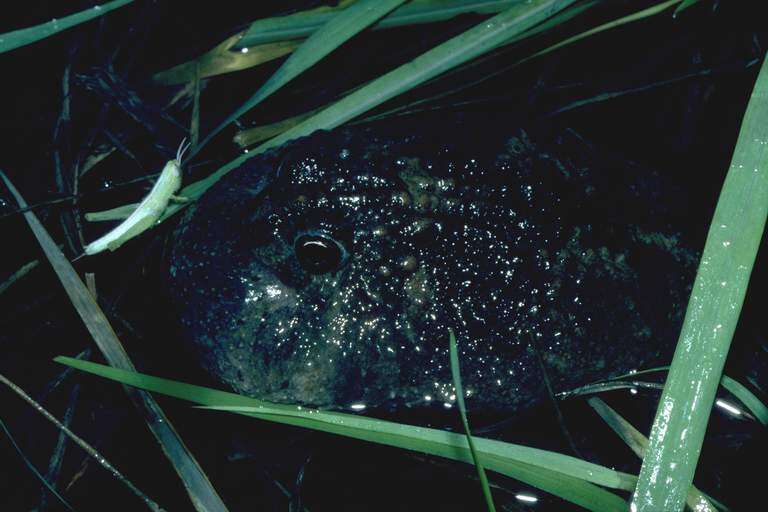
329 272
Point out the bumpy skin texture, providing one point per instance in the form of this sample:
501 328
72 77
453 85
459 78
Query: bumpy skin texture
514 246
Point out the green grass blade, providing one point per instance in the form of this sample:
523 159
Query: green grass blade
750 401
456 374
303 24
454 52
199 488
33 469
745 396
339 29
12 40
684 5
630 18
568 477
710 320
638 443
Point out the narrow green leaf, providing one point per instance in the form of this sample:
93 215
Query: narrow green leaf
630 18
33 469
637 442
684 5
462 48
456 374
558 474
750 401
710 320
302 24
201 492
339 29
12 40
745 396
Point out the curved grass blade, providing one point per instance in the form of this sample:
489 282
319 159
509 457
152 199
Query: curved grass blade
258 134
637 442
684 5
750 401
199 488
745 396
221 59
339 29
91 451
303 24
568 477
12 40
711 317
33 469
454 52
456 375
630 18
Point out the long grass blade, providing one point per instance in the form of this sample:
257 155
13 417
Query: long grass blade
710 320
201 492
221 59
303 24
462 48
637 442
456 375
33 469
684 5
339 29
12 40
99 458
561 475
630 18
746 397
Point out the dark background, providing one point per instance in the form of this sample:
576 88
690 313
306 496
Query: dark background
681 86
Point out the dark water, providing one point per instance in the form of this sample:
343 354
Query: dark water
684 131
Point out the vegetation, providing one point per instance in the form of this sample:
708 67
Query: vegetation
674 444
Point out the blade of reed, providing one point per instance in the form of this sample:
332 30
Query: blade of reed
225 59
568 477
630 18
339 29
467 45
750 401
22 37
199 488
454 52
456 375
684 5
303 24
745 396
33 469
90 450
221 59
637 442
258 134
711 317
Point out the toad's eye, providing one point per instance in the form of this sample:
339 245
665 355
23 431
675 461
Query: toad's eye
318 254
